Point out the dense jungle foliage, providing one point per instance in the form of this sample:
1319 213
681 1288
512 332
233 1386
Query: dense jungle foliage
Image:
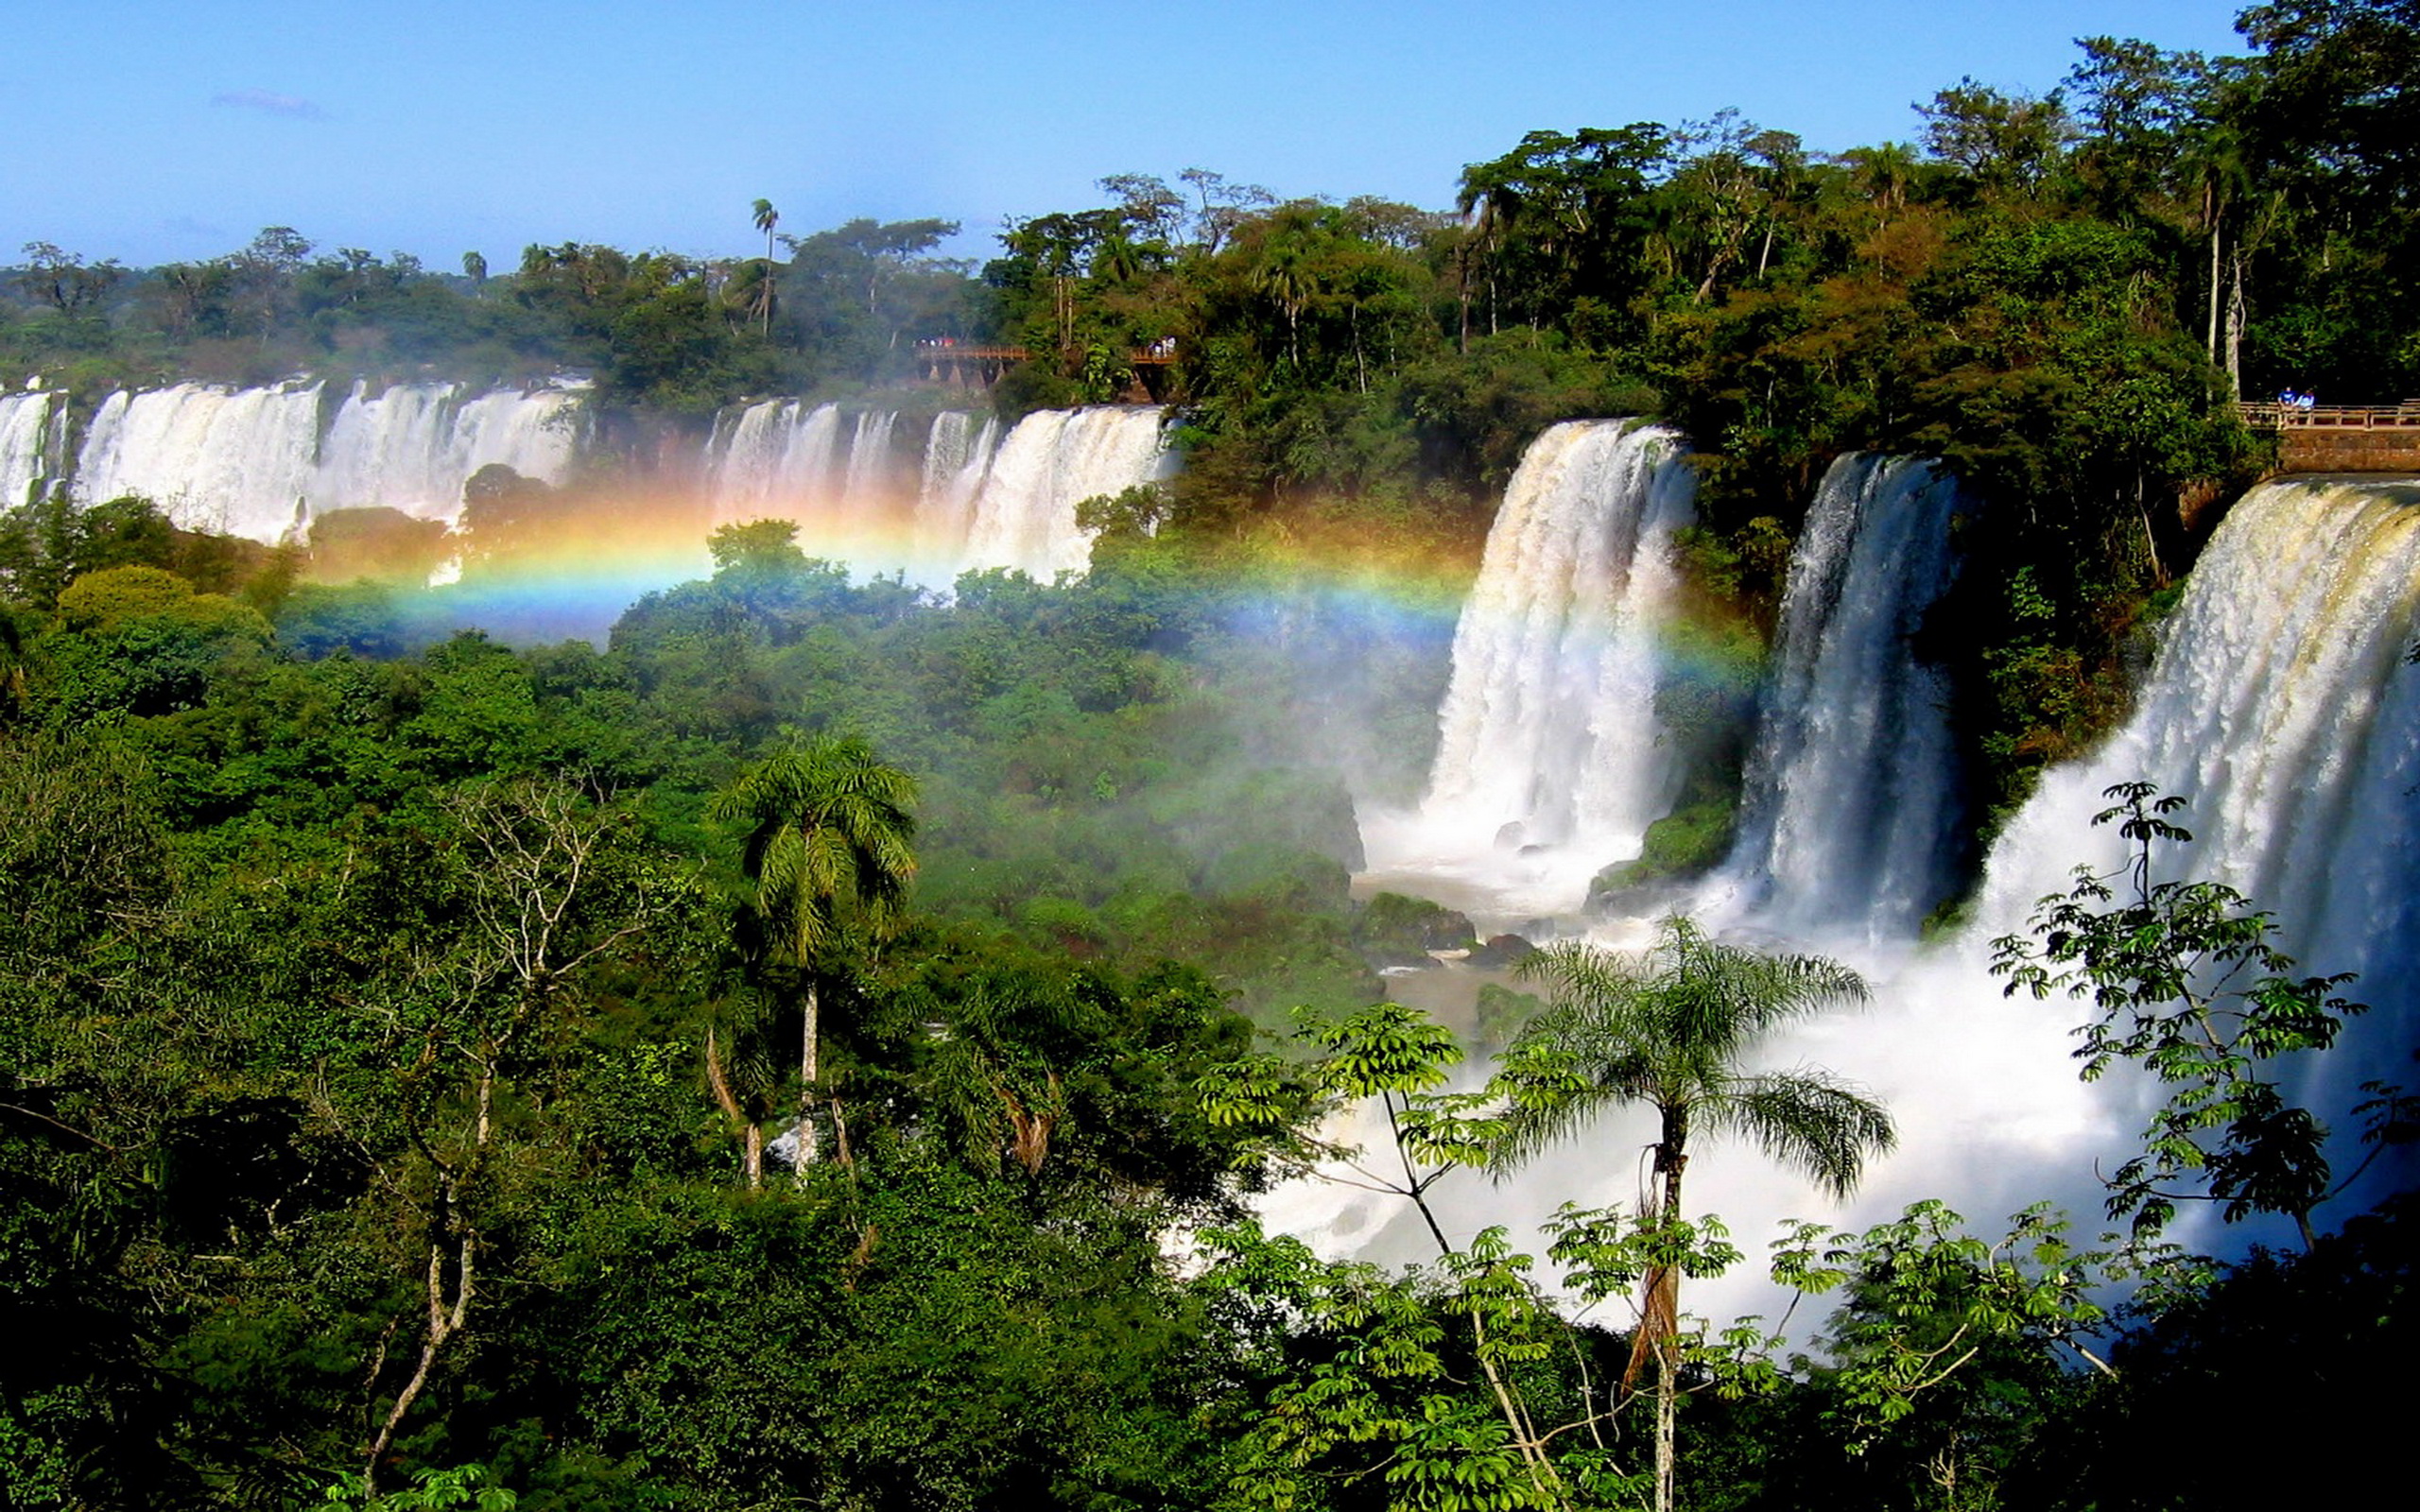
394 1047
402 1091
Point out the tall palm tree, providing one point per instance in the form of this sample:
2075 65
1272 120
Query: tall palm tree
826 827
1669 1030
1288 275
765 217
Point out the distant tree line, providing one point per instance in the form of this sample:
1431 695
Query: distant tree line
2057 293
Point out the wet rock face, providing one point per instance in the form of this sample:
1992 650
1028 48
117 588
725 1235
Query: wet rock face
1502 952
1394 930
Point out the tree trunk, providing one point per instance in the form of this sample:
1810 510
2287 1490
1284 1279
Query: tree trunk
752 1133
445 1318
1659 1322
1462 295
809 1035
1525 1436
2236 313
2210 211
2151 542
1668 1401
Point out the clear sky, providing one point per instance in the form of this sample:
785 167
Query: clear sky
152 130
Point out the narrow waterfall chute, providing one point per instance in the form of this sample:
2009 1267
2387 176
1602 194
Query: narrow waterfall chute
829 472
1850 808
25 445
1551 762
958 457
777 461
866 486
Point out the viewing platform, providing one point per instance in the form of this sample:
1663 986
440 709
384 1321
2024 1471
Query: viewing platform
975 364
2340 437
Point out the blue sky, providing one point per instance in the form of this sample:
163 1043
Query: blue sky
157 130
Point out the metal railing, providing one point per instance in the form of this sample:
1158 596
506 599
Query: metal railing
1160 354
2277 417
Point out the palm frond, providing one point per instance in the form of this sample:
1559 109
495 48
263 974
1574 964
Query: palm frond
1666 1028
1808 1119
822 822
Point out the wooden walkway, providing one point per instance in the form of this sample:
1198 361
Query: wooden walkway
2341 437
1159 355
972 365
2275 416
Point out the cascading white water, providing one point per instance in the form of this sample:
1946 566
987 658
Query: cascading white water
1548 736
785 460
1024 514
252 462
777 459
2281 706
1848 817
239 462
412 446
958 456
25 436
866 487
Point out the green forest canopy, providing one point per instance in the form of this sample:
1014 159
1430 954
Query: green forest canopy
294 1105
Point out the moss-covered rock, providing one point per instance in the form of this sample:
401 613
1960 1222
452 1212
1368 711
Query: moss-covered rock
1395 930
1685 843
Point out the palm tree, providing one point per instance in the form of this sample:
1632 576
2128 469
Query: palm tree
765 217
1882 174
1288 276
825 824
1669 1030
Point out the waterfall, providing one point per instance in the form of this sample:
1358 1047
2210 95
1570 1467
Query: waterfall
1024 514
958 456
2278 701
785 460
239 462
413 446
866 487
777 459
1848 818
25 446
2280 705
1549 742
252 462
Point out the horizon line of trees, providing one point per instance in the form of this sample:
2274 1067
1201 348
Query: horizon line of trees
2057 294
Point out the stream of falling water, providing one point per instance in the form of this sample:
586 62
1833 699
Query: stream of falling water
1023 514
252 462
1850 809
1550 761
28 436
2280 702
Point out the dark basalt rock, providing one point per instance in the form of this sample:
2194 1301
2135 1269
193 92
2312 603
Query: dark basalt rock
1503 951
